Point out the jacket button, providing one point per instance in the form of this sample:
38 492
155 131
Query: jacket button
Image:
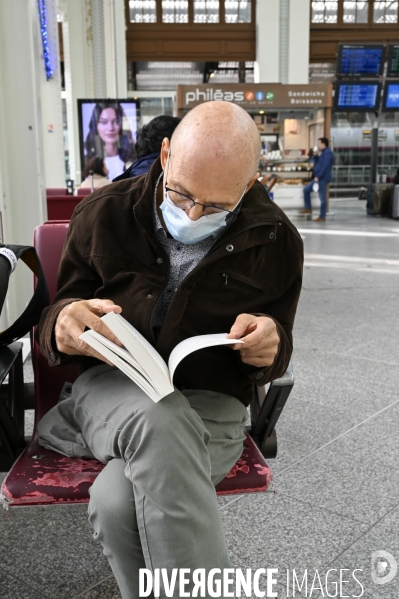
52 357
259 376
271 235
230 248
150 295
159 260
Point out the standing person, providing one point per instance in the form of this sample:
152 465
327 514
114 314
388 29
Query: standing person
149 143
97 166
194 247
110 137
322 173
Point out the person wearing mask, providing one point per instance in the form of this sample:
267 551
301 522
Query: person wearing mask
322 174
149 143
193 247
95 168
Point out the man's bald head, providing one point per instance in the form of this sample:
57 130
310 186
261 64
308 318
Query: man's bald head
214 154
221 133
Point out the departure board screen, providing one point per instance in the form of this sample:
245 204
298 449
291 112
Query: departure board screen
361 60
393 61
391 96
362 96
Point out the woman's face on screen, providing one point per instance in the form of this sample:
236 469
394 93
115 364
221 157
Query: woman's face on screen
109 126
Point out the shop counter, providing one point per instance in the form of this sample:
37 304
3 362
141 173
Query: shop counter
290 197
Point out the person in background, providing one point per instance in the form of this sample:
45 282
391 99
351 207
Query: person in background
96 166
395 180
149 143
110 137
322 172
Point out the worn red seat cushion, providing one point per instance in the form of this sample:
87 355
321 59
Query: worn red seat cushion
41 476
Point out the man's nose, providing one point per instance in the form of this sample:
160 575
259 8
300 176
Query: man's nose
195 212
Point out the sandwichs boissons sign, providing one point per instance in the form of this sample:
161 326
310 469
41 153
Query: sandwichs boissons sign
260 95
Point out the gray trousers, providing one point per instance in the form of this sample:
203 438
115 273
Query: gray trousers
154 505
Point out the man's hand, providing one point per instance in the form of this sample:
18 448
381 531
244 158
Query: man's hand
74 318
260 337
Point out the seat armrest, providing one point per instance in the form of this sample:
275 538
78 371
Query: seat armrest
8 355
265 414
11 404
286 379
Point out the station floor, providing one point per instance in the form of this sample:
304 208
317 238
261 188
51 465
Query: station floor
336 478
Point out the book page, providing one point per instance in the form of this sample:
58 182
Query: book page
120 351
120 358
192 344
154 366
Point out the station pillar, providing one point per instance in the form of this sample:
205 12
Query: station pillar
282 41
94 35
51 104
22 177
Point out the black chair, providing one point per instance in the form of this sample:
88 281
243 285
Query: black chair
12 405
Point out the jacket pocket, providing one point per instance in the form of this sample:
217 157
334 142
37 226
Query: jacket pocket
237 279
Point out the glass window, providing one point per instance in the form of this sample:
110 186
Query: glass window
385 12
356 11
142 11
175 11
206 11
324 11
237 11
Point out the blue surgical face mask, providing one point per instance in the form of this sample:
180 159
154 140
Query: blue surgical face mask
183 229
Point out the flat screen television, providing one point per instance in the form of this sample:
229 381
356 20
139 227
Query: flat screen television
360 96
360 60
390 101
393 61
108 129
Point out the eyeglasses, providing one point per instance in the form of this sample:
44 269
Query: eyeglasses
184 201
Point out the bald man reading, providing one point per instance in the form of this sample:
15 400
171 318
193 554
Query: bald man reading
193 247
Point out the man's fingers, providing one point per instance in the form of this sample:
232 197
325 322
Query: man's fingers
70 344
102 306
87 350
236 346
260 340
96 324
260 337
75 317
240 327
256 338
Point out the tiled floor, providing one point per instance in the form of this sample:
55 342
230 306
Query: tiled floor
337 472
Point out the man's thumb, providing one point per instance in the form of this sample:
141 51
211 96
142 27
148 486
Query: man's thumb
240 326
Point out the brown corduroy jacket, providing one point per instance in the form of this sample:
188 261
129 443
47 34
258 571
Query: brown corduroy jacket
255 267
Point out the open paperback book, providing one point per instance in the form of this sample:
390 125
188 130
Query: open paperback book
140 361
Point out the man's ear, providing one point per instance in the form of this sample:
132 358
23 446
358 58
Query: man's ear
164 152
